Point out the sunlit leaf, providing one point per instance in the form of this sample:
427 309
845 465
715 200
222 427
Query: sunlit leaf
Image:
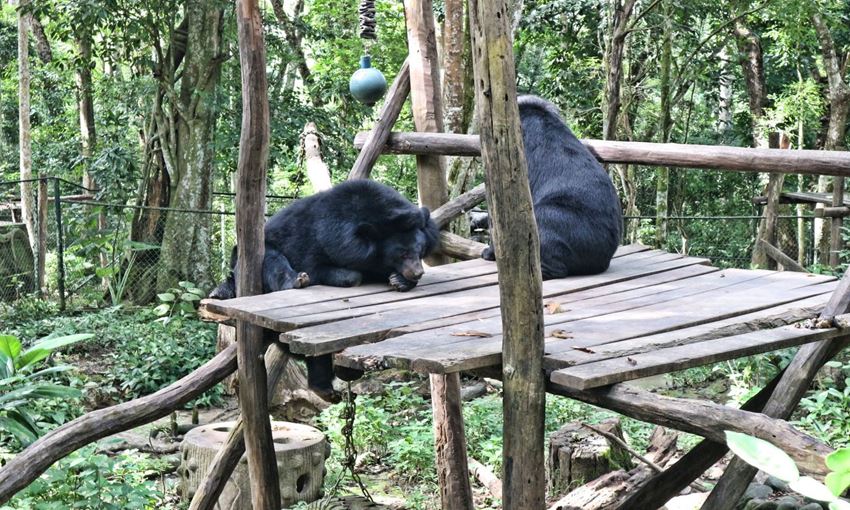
762 455
837 482
839 460
811 488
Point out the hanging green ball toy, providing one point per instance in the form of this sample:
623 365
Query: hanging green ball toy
367 84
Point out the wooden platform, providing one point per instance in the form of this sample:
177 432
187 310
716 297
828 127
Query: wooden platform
652 312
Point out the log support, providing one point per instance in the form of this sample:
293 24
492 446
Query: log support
450 442
517 254
741 159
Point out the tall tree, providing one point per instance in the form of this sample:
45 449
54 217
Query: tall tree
179 152
85 98
665 123
24 128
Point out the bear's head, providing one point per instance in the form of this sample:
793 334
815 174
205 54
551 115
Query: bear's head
404 241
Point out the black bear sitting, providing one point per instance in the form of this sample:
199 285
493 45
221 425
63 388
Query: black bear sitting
356 232
575 204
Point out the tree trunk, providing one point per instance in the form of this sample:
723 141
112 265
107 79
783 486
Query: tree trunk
615 44
724 84
662 176
186 246
752 65
24 134
85 102
839 107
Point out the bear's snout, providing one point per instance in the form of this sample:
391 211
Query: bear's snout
413 271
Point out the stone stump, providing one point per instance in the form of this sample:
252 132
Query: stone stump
301 452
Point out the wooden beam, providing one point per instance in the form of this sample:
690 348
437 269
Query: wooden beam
228 456
250 209
373 142
776 254
675 478
832 212
459 247
795 381
458 205
25 467
836 240
704 418
517 254
646 153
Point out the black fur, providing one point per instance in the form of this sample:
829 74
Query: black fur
358 231
576 206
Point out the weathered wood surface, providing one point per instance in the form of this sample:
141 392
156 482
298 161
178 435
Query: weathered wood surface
517 248
646 153
250 210
778 256
804 197
375 139
450 442
31 463
458 205
453 245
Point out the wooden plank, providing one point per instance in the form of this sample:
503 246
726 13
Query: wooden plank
671 359
335 336
319 293
313 314
405 343
622 325
629 249
776 316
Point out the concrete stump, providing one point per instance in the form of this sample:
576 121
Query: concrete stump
301 452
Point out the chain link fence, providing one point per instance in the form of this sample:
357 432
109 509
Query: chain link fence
106 253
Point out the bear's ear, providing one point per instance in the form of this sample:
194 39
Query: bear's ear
404 219
367 231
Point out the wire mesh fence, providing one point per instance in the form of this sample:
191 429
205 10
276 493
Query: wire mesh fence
97 252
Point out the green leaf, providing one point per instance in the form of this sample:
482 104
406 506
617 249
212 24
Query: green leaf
186 285
811 488
162 309
839 460
166 297
52 344
55 391
837 482
762 455
10 346
839 504
31 357
188 296
18 429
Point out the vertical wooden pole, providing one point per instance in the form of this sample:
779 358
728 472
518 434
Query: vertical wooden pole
60 244
426 102
450 442
425 98
250 206
767 225
517 254
42 235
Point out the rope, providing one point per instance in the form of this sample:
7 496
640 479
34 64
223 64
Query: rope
368 25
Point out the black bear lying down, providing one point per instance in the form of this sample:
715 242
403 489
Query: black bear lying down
356 232
576 207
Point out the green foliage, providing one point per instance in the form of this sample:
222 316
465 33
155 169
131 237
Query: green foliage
178 302
773 461
827 412
86 479
23 382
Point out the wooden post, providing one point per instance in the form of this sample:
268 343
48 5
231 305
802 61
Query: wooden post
376 138
426 101
767 225
517 254
450 442
42 235
250 206
795 381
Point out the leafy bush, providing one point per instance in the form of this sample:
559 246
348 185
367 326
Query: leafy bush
23 385
85 479
178 302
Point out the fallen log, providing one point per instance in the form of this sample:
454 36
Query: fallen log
28 465
645 153
487 478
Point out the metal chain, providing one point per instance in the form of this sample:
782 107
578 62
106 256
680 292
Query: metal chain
349 413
